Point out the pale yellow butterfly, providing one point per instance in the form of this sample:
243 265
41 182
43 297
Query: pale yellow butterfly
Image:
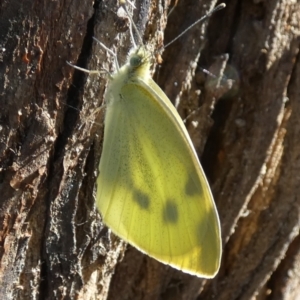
151 189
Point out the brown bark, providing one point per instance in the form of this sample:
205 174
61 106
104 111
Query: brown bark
52 242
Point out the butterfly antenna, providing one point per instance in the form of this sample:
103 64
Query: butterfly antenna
218 7
109 51
132 24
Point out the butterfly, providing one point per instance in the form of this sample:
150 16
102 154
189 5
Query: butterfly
151 189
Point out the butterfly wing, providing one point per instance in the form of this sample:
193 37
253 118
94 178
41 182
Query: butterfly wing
152 191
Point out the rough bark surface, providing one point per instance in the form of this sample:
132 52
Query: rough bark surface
243 119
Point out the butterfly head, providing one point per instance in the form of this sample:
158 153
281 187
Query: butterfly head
139 61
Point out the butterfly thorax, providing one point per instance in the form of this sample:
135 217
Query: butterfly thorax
136 68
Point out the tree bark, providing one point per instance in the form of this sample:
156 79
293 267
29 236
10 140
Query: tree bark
242 118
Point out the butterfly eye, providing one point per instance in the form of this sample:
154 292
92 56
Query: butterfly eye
135 61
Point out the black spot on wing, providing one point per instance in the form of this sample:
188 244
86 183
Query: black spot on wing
207 227
141 199
170 212
193 187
